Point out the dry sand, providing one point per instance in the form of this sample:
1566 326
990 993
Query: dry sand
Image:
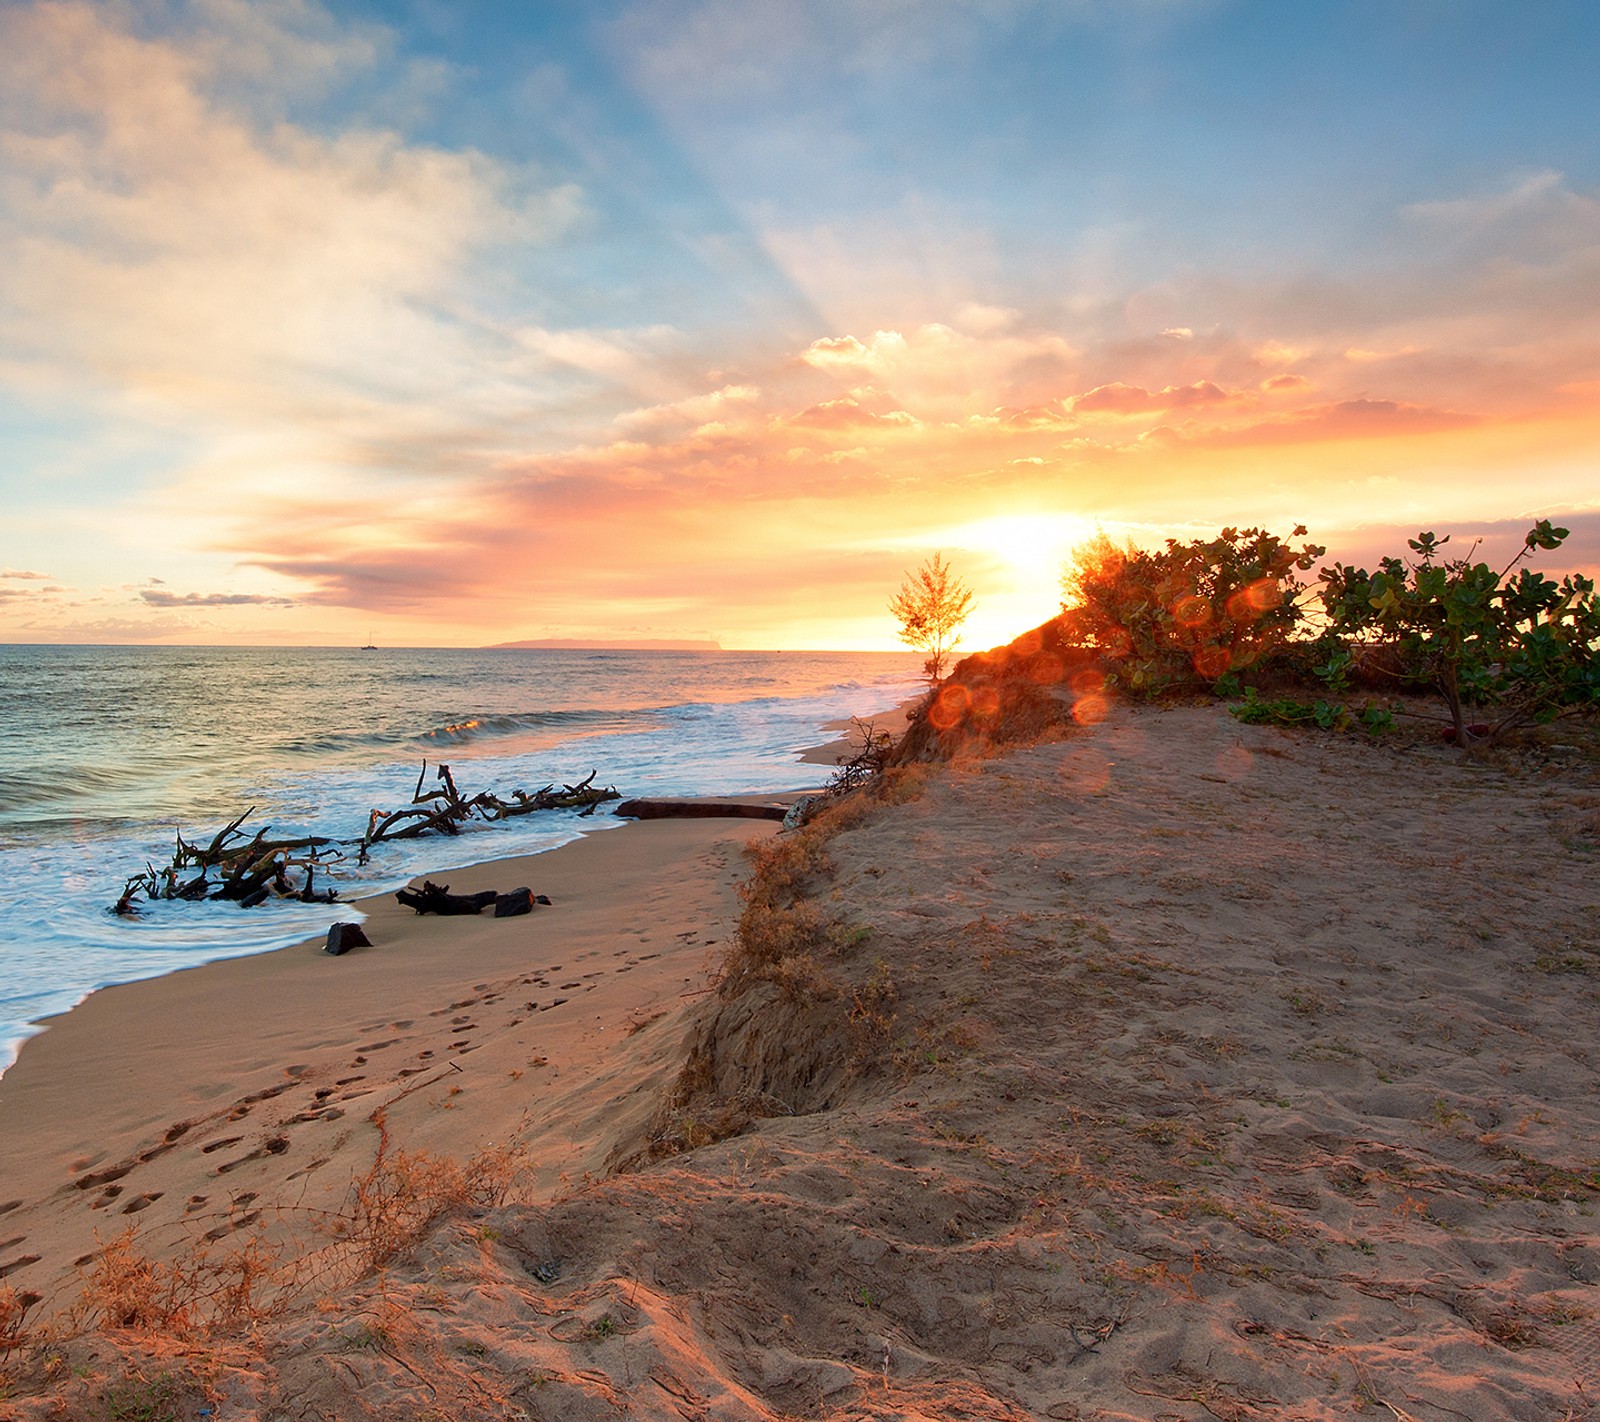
1176 1069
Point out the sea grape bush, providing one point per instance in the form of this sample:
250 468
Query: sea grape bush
1524 646
1520 647
1193 612
1254 710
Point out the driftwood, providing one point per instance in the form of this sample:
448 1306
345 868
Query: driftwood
437 898
247 873
444 810
696 810
250 871
517 903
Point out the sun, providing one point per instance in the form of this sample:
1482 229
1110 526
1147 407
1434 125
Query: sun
1013 562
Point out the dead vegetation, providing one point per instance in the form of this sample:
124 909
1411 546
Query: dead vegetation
249 871
167 1312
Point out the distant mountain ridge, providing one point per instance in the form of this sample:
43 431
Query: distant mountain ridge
590 644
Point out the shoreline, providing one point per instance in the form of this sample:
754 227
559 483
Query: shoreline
823 753
107 1105
174 1103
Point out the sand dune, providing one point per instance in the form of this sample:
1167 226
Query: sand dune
1174 1069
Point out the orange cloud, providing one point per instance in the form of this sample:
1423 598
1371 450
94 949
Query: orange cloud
1119 399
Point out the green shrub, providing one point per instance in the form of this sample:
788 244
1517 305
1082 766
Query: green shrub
1526 647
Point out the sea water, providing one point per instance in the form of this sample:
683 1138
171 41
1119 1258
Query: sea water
106 753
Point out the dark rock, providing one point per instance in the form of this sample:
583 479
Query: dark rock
342 937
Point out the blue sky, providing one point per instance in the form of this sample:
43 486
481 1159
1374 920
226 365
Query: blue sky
465 322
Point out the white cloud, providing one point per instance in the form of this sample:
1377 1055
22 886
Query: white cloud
171 247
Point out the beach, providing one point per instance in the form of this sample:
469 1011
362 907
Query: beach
1170 1067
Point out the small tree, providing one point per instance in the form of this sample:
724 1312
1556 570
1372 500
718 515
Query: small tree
931 606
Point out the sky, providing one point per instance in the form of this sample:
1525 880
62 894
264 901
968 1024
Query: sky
454 322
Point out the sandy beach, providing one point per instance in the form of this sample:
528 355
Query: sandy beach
1169 1069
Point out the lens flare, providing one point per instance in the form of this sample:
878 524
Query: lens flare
949 707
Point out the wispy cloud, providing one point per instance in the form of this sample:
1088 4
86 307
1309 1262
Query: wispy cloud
157 598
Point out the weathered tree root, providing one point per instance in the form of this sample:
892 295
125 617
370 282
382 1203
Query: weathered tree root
254 870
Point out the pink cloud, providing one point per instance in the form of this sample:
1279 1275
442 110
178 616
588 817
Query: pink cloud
847 412
1119 399
1343 419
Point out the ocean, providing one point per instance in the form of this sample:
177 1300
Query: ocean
107 752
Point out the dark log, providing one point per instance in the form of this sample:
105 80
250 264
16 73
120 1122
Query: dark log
342 937
514 904
696 810
256 896
437 898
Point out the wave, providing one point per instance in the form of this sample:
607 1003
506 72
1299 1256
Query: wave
473 728
65 784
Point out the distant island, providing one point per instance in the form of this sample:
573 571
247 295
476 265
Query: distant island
590 644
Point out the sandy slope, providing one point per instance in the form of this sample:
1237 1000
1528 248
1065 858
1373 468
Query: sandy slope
1178 1069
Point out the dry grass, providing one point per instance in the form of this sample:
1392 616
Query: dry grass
403 1194
783 936
202 1292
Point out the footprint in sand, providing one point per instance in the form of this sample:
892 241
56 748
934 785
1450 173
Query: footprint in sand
142 1202
9 1206
194 1202
20 1262
107 1196
554 1002
220 1145
346 1080
375 1047
275 1145
101 1177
